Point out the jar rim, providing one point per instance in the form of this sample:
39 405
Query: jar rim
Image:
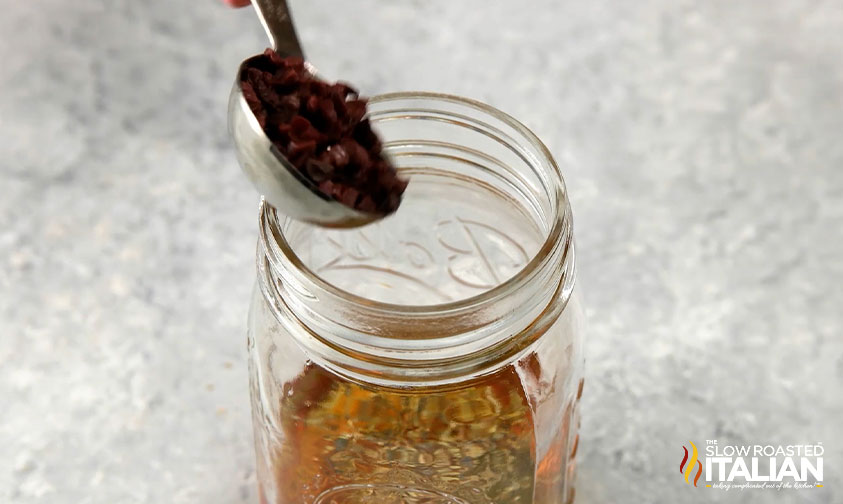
558 235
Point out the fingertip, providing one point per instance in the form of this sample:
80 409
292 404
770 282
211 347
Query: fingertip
237 3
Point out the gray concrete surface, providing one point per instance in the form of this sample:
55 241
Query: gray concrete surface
702 144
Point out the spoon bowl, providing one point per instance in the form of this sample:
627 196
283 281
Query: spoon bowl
281 183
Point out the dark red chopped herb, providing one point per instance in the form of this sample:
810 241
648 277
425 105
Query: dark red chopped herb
321 128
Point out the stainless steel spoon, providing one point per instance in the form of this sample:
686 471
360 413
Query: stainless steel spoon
269 170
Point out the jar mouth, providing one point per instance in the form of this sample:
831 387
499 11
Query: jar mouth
558 234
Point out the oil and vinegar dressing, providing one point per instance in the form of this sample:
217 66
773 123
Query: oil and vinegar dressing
344 443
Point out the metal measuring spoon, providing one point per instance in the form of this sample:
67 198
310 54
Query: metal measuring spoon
281 184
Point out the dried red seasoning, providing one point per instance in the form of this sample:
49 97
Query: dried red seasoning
321 128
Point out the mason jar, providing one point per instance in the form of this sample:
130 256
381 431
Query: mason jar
435 356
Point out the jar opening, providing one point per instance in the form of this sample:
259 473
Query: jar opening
473 267
485 209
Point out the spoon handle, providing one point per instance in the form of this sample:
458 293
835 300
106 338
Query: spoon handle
276 20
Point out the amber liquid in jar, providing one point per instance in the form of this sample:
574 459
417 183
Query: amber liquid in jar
348 444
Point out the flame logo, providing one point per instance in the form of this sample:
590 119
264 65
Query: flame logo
689 468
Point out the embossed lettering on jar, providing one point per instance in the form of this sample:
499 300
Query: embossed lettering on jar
435 356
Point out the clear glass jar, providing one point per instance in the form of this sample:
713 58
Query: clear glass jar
435 356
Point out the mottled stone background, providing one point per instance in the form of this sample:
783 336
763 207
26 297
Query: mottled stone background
702 143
